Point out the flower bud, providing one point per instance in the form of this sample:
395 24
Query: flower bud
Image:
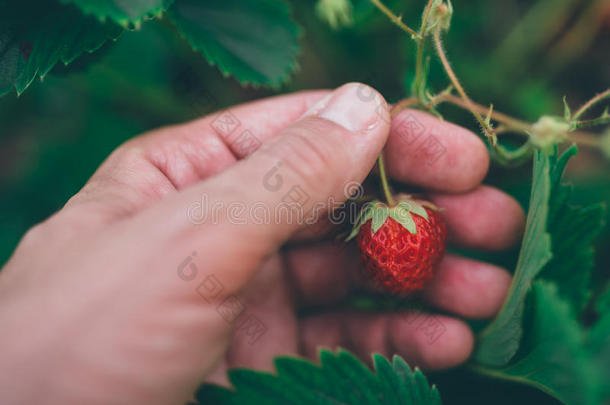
549 131
336 13
439 15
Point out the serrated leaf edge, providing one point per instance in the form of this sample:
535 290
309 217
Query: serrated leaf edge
125 22
274 84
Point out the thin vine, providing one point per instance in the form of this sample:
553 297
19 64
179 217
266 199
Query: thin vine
547 130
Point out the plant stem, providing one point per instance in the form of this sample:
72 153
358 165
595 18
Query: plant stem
407 102
384 181
424 20
510 122
394 18
591 123
513 157
418 88
456 83
600 97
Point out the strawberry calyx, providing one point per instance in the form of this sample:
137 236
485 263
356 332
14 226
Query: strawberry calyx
378 212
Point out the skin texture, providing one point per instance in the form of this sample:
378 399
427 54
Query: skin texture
110 300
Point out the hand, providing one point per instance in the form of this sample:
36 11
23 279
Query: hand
128 293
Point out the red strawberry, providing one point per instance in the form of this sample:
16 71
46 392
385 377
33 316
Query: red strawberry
400 245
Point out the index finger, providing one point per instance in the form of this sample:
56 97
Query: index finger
428 152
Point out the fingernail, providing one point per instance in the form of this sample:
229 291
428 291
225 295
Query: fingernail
354 106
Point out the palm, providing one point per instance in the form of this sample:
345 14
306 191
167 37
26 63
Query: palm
268 325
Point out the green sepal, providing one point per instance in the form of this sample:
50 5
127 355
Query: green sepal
567 113
415 208
380 215
379 212
365 214
403 216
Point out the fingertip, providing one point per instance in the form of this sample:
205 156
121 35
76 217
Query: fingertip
468 287
433 342
453 348
358 108
485 218
480 163
436 154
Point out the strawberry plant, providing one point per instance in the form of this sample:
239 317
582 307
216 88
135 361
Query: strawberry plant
551 338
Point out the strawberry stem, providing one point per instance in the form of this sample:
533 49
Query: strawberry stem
485 126
384 181
600 97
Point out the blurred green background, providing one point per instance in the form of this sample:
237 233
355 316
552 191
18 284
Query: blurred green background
523 56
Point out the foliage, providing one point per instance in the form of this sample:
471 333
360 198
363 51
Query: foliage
499 342
254 40
121 12
31 46
549 350
552 354
339 379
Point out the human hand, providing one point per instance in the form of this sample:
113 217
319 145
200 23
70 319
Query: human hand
122 298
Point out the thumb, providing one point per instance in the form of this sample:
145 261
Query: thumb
239 217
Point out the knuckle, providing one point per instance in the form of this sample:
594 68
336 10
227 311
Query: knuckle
59 228
40 235
33 236
311 157
126 155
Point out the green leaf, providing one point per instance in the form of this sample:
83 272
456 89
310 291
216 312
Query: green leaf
573 231
416 384
546 348
602 306
353 380
390 381
12 61
499 341
599 344
120 11
339 379
215 394
255 41
380 215
31 46
553 357
295 370
263 388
